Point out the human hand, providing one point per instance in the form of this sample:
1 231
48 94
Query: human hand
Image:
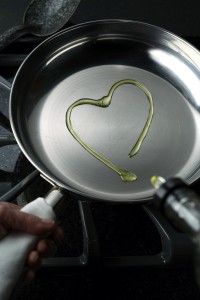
11 218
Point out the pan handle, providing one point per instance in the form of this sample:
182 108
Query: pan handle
16 245
5 83
13 34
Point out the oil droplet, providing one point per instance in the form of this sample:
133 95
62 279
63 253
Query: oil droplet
126 176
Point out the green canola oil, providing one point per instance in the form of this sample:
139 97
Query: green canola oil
105 101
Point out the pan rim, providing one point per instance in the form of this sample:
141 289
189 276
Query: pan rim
44 174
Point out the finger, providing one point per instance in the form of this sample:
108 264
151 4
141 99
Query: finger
33 260
57 234
28 278
10 205
3 232
46 248
18 220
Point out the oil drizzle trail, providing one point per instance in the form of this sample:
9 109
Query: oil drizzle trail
105 101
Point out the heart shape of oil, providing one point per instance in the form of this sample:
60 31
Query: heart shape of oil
105 101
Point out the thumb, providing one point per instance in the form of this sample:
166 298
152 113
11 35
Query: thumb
3 232
17 220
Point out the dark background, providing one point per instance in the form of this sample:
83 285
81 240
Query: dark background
179 16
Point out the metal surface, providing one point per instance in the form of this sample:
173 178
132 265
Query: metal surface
85 61
47 16
41 18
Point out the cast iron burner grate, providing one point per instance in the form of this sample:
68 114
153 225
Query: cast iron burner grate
98 236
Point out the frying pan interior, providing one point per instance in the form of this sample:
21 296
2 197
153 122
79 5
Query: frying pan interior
84 62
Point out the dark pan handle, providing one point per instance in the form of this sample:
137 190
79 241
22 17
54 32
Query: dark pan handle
7 139
18 188
12 34
5 87
5 83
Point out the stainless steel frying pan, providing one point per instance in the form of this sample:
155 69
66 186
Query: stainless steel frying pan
84 62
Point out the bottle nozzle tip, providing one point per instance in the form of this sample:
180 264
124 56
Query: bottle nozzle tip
157 181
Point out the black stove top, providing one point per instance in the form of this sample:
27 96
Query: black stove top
109 251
